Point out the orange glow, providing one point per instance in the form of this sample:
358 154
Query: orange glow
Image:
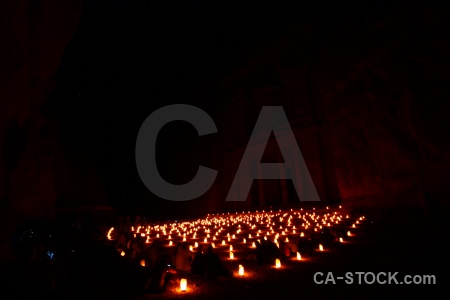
122 253
320 247
299 257
231 255
143 263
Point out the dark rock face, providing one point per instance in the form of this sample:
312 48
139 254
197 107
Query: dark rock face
36 169
376 89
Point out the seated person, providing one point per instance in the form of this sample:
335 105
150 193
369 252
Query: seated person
213 265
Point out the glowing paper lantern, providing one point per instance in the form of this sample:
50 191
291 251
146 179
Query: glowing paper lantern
277 263
183 284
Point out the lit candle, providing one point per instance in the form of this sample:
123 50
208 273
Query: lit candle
299 257
348 233
122 253
277 263
196 244
183 284
241 270
223 242
341 240
231 255
231 247
143 263
320 247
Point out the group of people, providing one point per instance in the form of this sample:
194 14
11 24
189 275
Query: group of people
163 263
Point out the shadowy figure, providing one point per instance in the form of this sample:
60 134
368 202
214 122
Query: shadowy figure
198 263
159 278
214 267
183 257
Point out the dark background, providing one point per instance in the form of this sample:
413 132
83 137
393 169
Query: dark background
81 79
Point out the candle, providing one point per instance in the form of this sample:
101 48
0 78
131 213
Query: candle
320 247
122 253
277 263
299 257
143 263
231 255
341 240
183 284
241 270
